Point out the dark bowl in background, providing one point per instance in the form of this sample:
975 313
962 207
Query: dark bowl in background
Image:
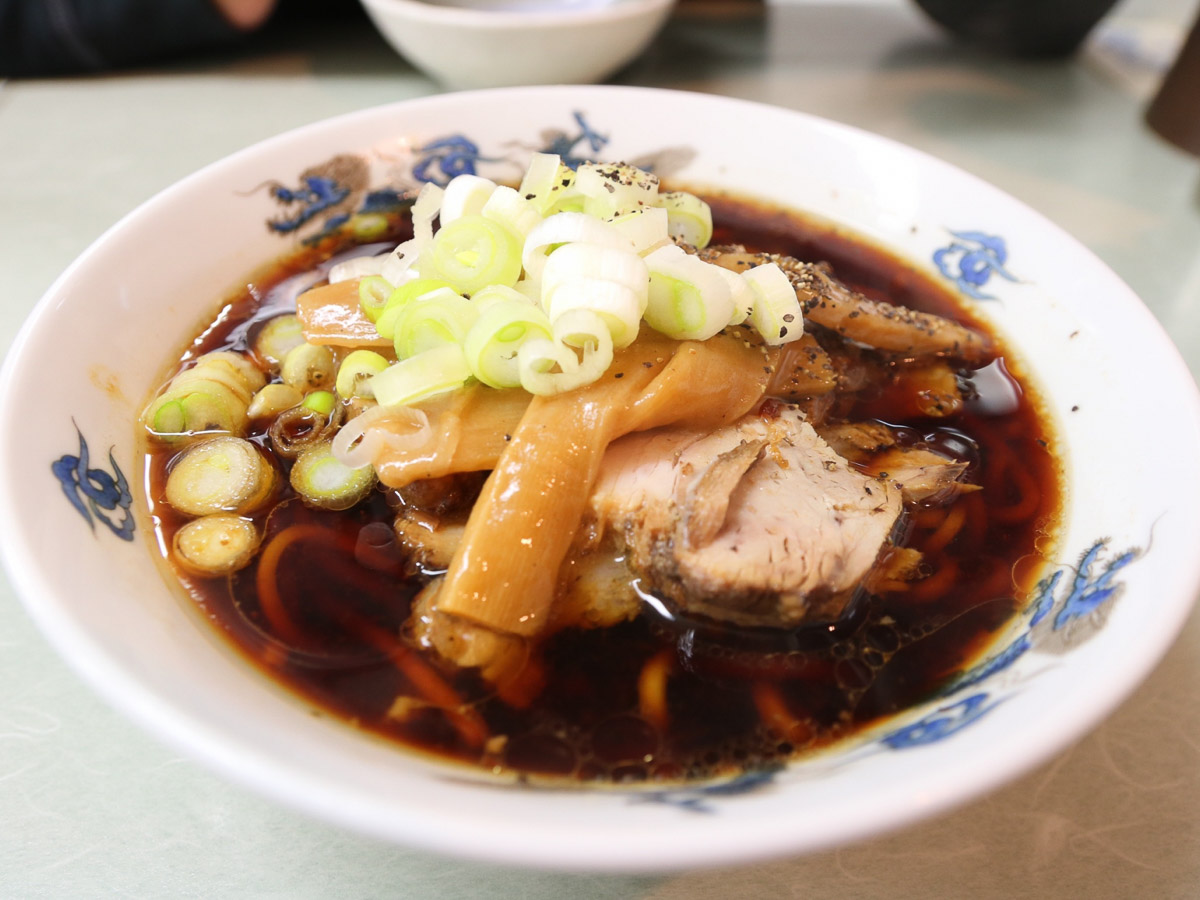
1022 28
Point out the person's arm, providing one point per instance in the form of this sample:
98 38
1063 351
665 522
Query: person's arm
245 15
56 37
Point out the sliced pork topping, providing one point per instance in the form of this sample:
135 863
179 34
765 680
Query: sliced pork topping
830 303
922 475
759 522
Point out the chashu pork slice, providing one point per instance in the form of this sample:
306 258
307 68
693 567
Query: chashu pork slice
757 523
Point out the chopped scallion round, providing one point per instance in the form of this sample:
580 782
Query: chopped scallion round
492 344
471 253
277 337
776 314
689 298
465 195
204 407
400 297
215 545
614 189
323 481
272 399
355 372
553 366
369 226
321 402
308 367
220 474
688 218
432 372
373 293
541 178
436 318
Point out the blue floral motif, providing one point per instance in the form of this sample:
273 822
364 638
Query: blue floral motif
564 145
447 157
695 799
316 194
971 259
384 200
992 665
94 493
941 724
338 189
1090 590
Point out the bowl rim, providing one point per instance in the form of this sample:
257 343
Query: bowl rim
252 768
515 19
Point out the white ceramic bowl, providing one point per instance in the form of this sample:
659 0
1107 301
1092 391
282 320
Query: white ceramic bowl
119 316
524 42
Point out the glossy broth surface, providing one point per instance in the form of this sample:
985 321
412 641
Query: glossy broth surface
737 698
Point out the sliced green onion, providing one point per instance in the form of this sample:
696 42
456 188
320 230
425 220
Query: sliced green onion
244 367
508 208
203 407
618 307
277 337
308 367
492 344
321 402
373 293
400 297
564 196
741 293
613 189
498 293
432 372
689 298
689 218
424 211
210 373
550 366
472 253
465 195
565 228
433 319
776 314
541 177
369 226
645 228
215 545
581 261
355 372
325 482
272 399
221 474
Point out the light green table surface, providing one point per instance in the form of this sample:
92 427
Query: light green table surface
90 806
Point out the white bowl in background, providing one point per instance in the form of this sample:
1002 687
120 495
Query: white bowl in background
477 43
81 559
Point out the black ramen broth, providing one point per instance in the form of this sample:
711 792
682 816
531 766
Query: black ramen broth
737 699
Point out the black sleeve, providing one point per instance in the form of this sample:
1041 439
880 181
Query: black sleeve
58 37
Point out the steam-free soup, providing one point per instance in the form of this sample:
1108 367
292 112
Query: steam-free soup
328 602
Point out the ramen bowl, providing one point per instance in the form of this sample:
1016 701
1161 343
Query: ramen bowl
468 44
1121 577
